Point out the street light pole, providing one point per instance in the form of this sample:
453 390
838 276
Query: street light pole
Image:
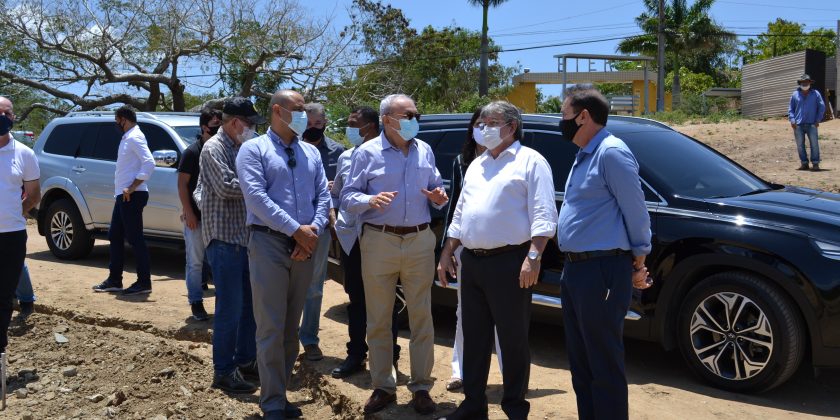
660 59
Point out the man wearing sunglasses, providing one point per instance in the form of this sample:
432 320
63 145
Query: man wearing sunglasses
226 237
285 189
392 182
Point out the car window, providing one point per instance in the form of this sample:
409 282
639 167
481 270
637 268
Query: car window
158 138
430 137
107 141
188 133
64 140
688 168
450 146
559 153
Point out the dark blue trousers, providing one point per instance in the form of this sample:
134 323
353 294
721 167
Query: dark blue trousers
596 294
127 226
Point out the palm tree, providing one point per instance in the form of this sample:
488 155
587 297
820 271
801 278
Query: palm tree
482 76
688 30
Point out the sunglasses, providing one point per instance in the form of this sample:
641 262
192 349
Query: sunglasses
291 162
408 116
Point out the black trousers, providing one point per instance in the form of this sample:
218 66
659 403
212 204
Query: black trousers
596 294
13 246
127 226
491 297
356 311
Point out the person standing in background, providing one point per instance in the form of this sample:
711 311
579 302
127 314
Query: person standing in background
805 112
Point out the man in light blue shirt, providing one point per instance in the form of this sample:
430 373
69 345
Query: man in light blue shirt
805 112
287 201
604 231
392 181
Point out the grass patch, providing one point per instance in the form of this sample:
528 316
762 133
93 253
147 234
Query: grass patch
680 117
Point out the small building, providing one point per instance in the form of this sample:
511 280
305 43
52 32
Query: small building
766 86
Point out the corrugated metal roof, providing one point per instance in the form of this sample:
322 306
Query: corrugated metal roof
767 85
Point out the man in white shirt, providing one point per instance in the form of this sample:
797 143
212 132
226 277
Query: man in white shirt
134 167
504 218
18 172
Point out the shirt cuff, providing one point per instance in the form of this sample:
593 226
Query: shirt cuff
547 229
291 227
638 251
453 232
142 176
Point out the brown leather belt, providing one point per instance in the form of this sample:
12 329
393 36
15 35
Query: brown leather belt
266 229
399 230
497 251
583 256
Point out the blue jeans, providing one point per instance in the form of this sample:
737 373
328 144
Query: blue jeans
799 134
194 247
311 321
24 292
127 225
234 328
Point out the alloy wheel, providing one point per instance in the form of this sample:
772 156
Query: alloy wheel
61 230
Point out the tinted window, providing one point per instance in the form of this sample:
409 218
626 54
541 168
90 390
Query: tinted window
559 153
449 147
688 168
107 142
64 140
430 137
188 133
650 195
158 138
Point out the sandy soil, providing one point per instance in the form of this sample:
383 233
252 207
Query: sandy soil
128 344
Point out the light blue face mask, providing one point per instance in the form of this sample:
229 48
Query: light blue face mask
298 122
354 136
408 128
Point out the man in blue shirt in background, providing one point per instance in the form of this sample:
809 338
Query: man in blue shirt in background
286 196
604 231
805 112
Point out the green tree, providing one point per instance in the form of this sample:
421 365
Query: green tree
785 37
692 37
692 83
483 77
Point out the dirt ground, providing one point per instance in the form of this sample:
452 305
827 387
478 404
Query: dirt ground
148 351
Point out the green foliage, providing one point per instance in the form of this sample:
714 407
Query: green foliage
785 37
612 89
691 83
550 105
696 109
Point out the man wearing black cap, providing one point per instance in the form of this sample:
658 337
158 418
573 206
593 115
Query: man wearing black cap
805 112
226 237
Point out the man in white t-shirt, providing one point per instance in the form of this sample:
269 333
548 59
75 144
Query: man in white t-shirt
18 172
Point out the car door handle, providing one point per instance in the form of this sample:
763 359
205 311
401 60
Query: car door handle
79 169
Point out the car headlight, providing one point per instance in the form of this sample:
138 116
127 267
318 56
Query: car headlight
828 250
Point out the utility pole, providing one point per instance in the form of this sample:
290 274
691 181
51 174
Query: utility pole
660 59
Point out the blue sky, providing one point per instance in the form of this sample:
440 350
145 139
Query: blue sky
528 23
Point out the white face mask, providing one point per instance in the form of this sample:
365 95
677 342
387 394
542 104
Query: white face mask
491 137
247 134
805 87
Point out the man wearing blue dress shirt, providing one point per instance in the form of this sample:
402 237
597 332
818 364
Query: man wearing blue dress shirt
604 231
286 197
392 179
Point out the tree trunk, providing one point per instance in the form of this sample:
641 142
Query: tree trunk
482 75
675 88
179 103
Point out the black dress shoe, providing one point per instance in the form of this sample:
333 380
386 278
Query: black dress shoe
348 367
250 371
423 403
292 411
378 401
233 383
461 414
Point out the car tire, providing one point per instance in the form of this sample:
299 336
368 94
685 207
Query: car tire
66 234
740 333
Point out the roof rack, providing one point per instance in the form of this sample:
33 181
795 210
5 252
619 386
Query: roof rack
150 115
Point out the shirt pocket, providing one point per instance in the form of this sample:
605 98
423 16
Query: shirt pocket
423 173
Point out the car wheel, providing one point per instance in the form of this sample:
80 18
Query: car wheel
66 234
740 333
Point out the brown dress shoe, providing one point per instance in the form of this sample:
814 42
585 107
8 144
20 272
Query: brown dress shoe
815 167
802 167
379 400
423 403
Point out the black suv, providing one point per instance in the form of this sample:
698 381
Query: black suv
747 273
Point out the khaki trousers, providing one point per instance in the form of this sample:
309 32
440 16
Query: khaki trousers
387 257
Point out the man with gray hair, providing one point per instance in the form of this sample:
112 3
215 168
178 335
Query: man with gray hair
286 195
504 217
392 179
330 151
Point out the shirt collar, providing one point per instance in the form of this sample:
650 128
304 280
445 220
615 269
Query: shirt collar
387 144
130 130
225 138
276 138
596 141
513 149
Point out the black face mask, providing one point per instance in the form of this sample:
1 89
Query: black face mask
569 128
119 127
6 124
313 134
213 130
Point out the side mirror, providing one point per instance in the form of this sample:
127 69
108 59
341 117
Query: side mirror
165 158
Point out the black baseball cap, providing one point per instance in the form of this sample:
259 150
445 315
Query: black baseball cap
243 107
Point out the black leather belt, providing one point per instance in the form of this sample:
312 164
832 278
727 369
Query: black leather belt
497 251
400 230
583 256
266 229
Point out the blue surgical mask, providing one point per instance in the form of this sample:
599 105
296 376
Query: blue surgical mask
298 122
408 128
354 136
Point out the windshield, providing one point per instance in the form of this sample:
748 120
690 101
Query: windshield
688 168
188 133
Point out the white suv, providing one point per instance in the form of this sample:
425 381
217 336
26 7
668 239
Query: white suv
77 154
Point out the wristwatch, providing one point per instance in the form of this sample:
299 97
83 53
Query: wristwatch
534 255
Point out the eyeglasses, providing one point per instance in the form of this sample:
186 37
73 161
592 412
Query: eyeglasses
291 162
481 126
407 116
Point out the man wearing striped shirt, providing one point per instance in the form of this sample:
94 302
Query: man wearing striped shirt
222 206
